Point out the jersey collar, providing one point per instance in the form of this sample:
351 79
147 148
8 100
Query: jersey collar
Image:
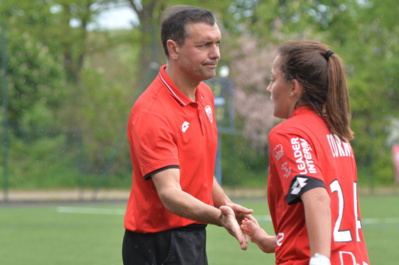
175 92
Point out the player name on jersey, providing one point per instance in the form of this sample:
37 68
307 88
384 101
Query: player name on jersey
339 148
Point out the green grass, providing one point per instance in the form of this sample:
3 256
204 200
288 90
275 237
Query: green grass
57 235
43 235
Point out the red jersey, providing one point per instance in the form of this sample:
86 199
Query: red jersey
304 155
165 130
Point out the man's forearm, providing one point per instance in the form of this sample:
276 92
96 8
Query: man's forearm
219 196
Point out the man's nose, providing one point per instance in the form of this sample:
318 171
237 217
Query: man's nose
215 52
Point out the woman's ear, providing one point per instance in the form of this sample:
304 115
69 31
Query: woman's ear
173 48
297 88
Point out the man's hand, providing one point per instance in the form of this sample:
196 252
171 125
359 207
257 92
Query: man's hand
241 212
230 223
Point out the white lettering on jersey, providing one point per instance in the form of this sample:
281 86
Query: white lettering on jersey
185 126
279 239
302 155
350 258
298 185
339 148
308 156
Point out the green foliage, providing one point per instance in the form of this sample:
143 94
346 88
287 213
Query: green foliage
36 122
369 52
242 165
35 83
110 89
31 163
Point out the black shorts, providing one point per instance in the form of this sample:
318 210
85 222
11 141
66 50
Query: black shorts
180 246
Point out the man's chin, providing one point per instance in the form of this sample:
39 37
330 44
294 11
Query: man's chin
210 75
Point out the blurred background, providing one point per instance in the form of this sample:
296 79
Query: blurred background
72 69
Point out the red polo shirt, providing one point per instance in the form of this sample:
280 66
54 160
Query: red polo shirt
166 129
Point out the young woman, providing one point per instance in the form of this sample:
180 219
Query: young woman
312 185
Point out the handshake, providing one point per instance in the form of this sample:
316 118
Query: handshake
250 228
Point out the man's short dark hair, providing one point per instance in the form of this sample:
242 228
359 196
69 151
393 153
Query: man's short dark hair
175 20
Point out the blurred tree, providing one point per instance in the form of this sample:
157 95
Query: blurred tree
62 25
36 84
372 52
251 70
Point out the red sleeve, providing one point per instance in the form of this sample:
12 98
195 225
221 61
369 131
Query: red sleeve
153 142
292 156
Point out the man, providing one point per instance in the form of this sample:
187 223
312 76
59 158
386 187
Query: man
173 140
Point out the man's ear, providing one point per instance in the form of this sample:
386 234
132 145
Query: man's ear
297 88
173 48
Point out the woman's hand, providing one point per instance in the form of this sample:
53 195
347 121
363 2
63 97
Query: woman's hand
259 236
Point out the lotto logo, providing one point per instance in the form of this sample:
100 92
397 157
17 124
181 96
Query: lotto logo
185 126
298 185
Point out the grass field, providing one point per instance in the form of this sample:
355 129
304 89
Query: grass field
92 234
